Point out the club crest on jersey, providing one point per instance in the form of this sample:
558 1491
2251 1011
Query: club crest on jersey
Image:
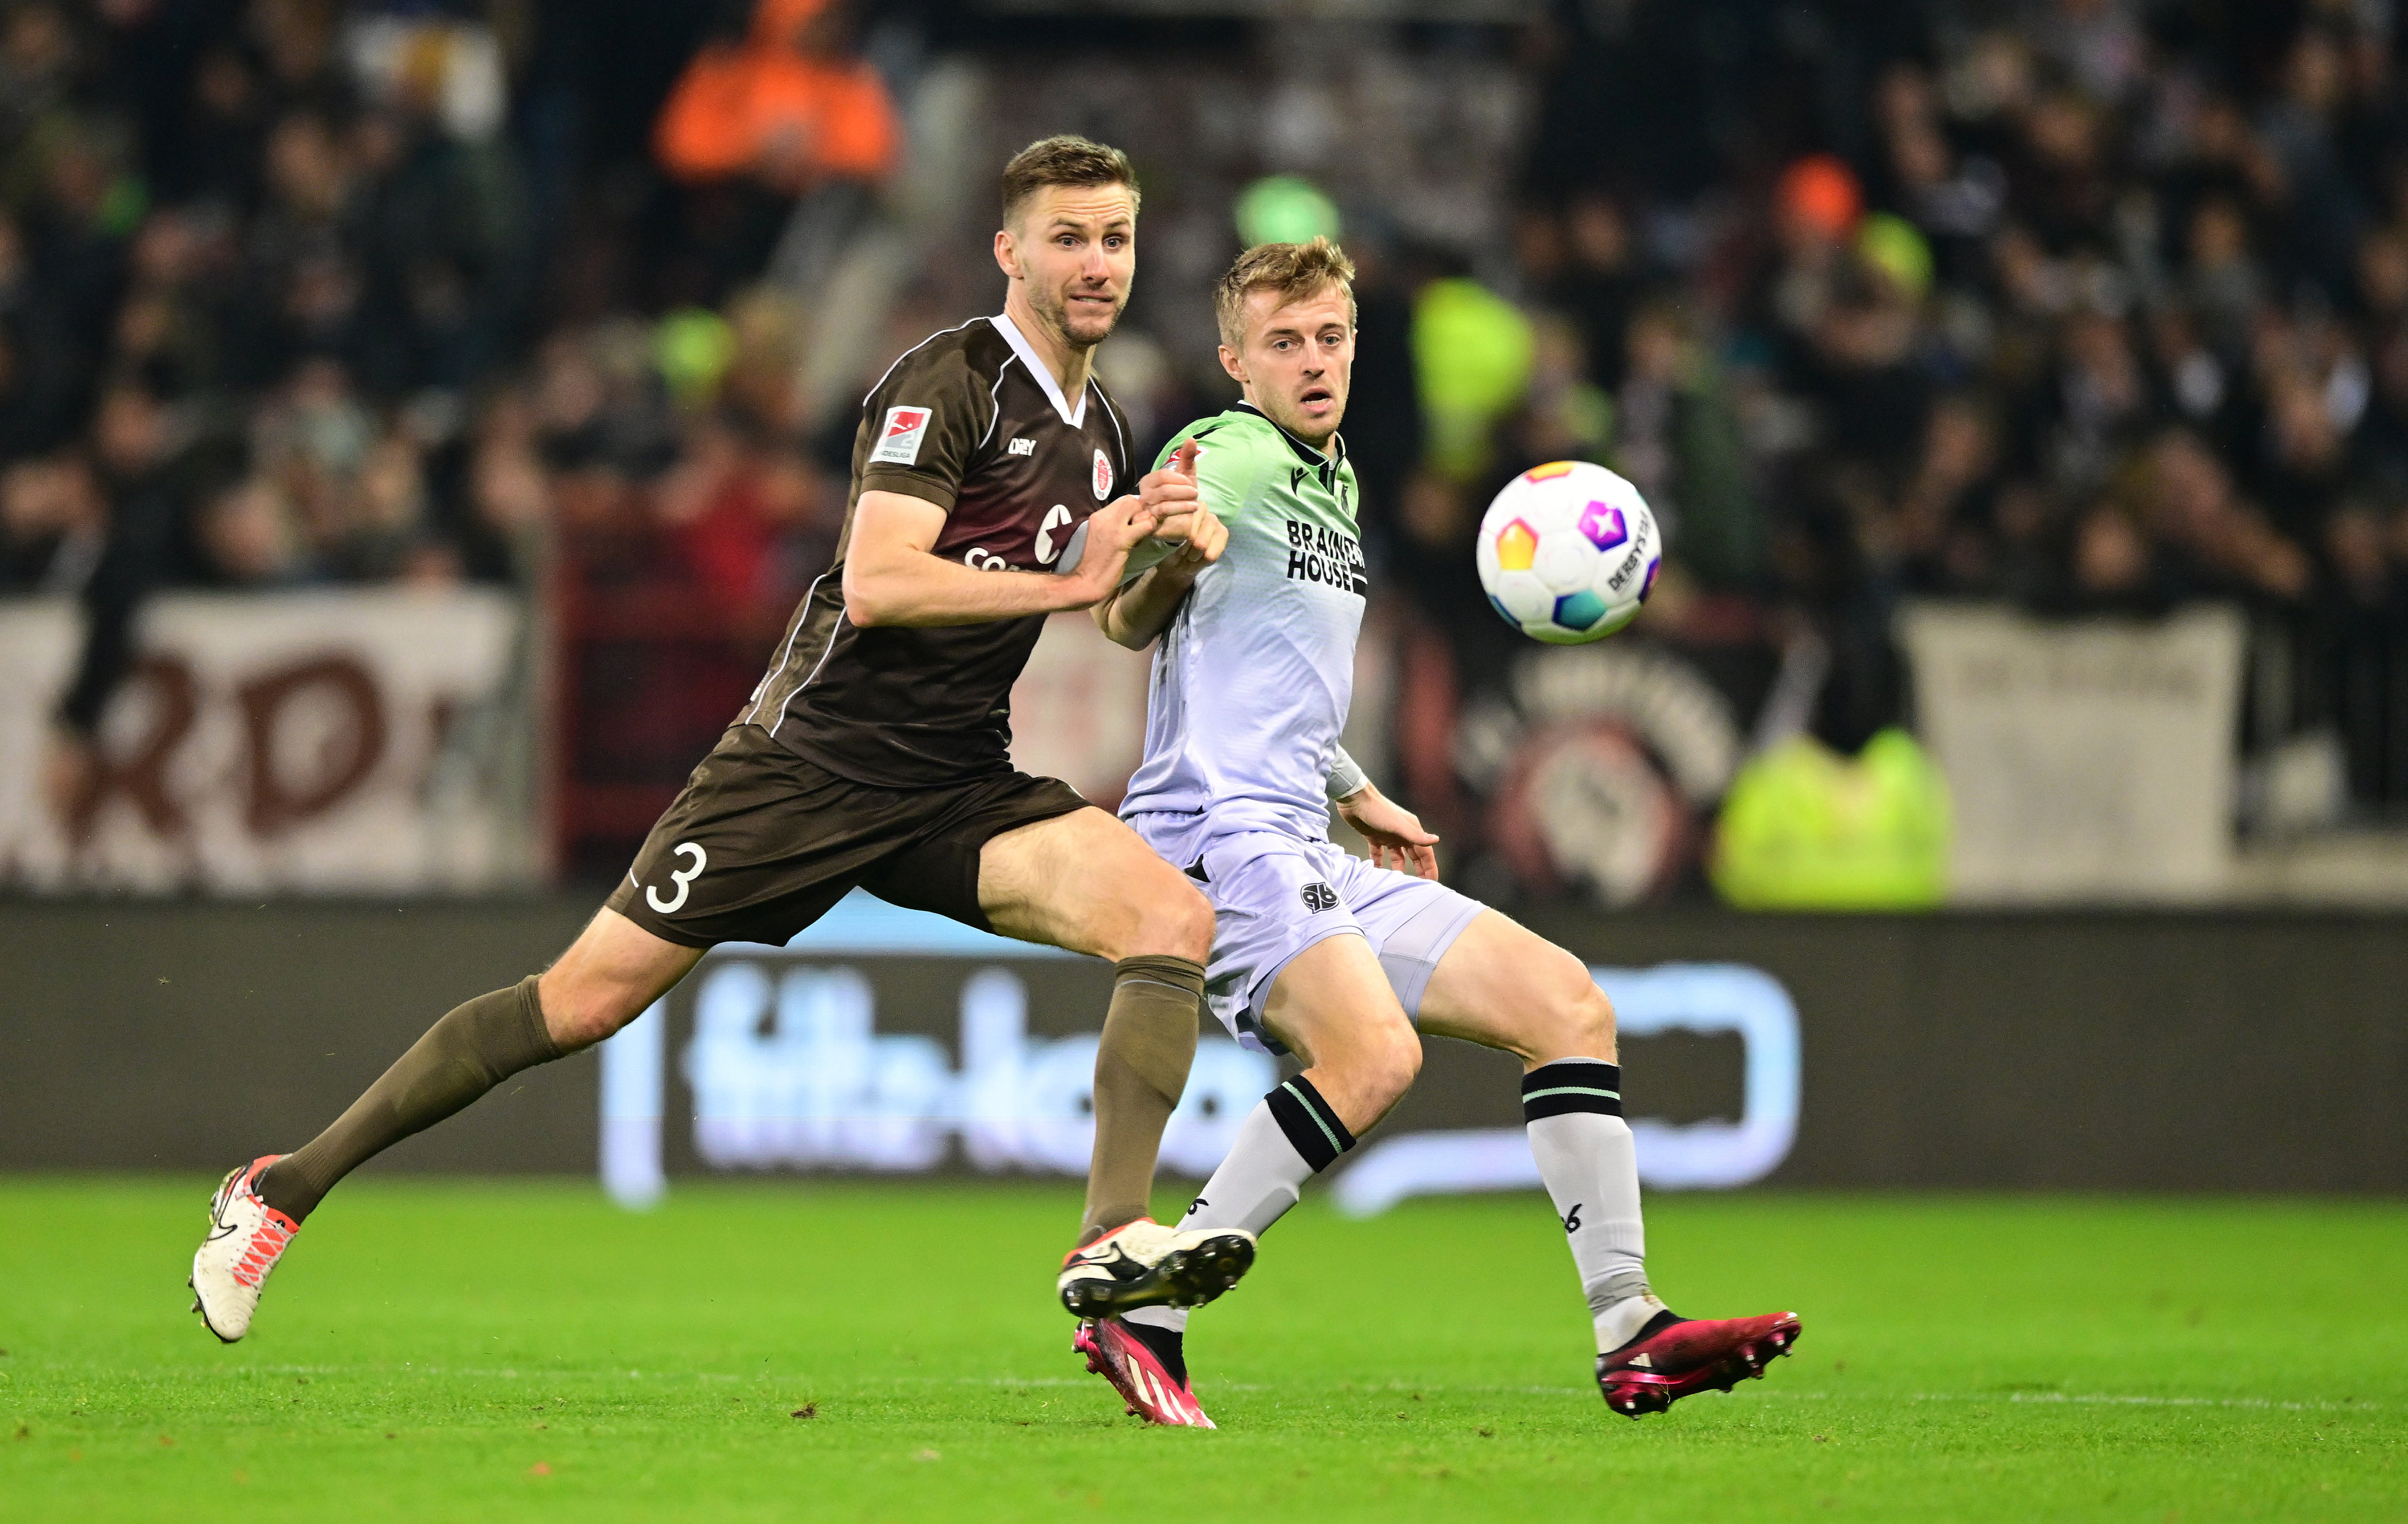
1103 477
898 440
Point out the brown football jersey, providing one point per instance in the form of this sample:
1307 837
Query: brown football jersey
973 421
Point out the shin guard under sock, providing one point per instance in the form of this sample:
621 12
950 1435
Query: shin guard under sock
1585 1155
1141 1066
1290 1137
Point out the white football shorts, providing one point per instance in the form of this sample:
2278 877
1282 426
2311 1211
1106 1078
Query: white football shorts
1273 895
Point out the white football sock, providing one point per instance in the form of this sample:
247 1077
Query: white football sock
1173 1319
1573 1109
1290 1137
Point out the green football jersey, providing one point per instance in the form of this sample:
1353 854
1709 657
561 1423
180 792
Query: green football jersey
1253 677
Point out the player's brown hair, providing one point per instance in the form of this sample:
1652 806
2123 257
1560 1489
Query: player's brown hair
1067 159
1295 271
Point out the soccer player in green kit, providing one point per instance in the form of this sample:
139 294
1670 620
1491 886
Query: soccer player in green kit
1318 953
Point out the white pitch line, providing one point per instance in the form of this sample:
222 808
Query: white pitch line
1774 1393
2108 1399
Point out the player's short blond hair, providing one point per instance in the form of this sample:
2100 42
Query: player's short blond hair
1067 159
1295 271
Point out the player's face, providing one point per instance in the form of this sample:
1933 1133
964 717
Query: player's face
1075 248
1299 360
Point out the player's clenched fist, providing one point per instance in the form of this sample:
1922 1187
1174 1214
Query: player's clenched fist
1171 489
1112 532
1200 537
1182 517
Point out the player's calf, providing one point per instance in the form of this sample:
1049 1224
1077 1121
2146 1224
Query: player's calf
1332 1006
1084 881
1141 1064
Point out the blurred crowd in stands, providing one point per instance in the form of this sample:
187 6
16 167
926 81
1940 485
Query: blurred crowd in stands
299 292
2089 305
2093 307
254 260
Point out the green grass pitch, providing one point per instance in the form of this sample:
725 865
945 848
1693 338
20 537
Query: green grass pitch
446 1351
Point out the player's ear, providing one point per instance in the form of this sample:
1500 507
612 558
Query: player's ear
1233 365
1007 253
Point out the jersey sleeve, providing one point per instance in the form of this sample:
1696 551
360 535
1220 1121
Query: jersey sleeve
1226 467
922 424
1129 464
1222 483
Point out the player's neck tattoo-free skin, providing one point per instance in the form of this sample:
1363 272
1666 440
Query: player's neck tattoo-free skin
1298 360
1070 255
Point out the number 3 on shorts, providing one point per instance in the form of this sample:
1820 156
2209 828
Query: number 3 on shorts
683 878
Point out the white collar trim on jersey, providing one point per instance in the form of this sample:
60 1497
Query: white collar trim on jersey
1044 373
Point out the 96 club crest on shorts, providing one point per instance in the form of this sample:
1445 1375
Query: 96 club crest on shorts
1273 895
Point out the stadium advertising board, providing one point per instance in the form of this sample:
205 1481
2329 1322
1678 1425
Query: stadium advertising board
829 1054
2104 1050
353 740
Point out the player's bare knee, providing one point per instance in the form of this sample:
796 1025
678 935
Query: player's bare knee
1571 1017
1194 929
1592 1023
1173 920
581 1012
1586 1014
1391 1062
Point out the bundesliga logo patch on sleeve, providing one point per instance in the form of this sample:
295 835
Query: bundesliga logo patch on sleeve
898 441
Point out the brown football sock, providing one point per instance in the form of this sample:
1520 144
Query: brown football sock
1140 1071
472 1050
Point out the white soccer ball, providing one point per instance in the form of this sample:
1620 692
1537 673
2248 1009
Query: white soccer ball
1567 552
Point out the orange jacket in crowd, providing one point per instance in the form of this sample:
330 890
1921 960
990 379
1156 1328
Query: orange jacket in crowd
768 108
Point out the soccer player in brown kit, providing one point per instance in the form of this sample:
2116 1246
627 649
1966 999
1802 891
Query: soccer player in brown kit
987 492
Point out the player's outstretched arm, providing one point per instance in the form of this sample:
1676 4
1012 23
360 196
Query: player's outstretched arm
891 577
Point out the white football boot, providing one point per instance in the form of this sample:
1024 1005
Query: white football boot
247 1236
1145 1265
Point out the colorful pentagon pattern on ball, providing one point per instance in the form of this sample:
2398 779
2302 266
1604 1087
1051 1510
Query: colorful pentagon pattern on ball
1602 522
1578 610
1647 583
1516 546
1553 469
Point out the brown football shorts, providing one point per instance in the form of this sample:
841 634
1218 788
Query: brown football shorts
762 843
